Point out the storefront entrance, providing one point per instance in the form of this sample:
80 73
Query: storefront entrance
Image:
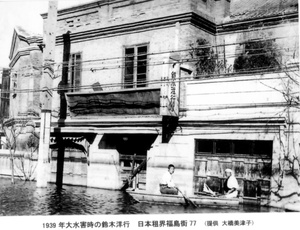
132 149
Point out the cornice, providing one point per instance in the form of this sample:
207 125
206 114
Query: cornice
29 40
151 24
246 122
35 39
255 22
21 53
169 21
203 23
13 44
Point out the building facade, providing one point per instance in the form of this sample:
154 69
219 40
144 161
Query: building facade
25 67
20 108
204 85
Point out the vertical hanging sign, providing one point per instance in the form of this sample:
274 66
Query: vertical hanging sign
170 92
171 83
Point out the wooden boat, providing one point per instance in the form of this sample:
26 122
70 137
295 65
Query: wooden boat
201 200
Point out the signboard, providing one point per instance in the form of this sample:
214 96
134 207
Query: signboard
170 92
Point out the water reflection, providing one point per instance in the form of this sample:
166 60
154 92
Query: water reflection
23 198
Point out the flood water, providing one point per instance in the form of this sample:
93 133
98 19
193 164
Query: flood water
23 198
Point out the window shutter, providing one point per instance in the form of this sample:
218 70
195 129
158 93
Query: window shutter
78 68
129 68
141 66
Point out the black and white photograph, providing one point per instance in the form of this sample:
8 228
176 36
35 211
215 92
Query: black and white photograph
149 114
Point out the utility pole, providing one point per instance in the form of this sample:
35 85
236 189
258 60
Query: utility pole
43 167
63 110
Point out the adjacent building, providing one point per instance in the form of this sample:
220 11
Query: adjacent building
25 73
20 108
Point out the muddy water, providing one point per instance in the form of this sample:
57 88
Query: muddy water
23 198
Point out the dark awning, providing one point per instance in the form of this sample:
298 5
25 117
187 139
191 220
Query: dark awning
144 101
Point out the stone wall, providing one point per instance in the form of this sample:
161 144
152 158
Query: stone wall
75 167
179 152
104 170
24 165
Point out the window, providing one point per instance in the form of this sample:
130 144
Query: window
135 66
236 147
258 55
75 72
223 146
5 88
206 146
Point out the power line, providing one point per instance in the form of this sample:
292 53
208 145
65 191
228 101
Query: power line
147 82
184 60
189 60
189 50
213 75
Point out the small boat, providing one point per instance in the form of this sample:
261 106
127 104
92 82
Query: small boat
201 200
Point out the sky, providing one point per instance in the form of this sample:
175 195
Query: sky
24 13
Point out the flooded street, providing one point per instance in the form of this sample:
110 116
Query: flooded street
23 198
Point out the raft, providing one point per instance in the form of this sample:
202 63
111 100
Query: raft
201 200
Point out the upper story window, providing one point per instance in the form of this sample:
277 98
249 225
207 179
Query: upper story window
261 55
75 70
135 74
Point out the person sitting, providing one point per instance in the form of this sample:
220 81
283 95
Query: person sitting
167 186
231 185
206 186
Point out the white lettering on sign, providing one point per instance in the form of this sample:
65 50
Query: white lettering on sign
170 93
173 92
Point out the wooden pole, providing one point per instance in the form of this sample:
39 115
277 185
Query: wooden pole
43 167
132 168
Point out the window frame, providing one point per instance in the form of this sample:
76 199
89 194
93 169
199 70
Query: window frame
74 83
232 153
134 83
265 46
